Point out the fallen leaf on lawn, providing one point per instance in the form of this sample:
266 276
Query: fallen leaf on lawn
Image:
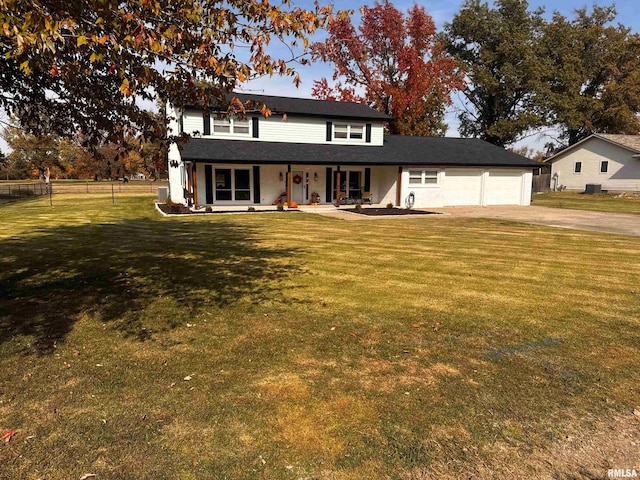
636 411
187 378
7 436
416 325
88 475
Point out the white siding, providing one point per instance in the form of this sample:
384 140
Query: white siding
293 130
623 173
176 175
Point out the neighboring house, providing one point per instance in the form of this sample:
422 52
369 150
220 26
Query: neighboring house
323 151
612 161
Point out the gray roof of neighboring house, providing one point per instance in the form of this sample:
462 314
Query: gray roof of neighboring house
310 107
630 141
397 150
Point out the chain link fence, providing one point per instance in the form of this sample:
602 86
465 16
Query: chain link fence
12 192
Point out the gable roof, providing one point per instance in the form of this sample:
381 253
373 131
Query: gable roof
629 142
311 107
397 150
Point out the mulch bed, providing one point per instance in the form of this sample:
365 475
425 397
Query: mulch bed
390 211
182 210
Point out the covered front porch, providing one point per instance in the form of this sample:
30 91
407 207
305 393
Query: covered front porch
231 186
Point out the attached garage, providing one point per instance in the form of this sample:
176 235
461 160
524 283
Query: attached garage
466 186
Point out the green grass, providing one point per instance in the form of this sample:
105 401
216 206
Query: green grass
317 348
603 202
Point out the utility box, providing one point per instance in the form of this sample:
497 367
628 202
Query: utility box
592 188
163 194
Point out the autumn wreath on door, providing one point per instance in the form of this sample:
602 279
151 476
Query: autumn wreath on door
297 179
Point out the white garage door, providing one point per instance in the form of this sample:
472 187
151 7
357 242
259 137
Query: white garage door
462 187
503 187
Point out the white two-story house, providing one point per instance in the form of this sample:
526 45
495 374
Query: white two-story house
327 152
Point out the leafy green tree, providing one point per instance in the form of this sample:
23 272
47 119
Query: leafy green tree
593 75
499 51
86 65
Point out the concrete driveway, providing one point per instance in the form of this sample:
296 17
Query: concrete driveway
618 223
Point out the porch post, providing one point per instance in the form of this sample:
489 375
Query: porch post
188 189
289 192
399 187
195 185
338 183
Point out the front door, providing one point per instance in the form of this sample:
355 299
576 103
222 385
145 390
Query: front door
297 186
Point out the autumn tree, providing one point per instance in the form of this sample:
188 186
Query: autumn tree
500 52
593 75
90 65
40 154
397 64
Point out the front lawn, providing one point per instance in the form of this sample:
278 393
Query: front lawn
276 346
602 202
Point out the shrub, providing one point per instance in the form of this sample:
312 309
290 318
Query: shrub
358 207
389 205
208 209
251 209
280 207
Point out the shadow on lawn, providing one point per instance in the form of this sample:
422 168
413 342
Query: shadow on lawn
52 277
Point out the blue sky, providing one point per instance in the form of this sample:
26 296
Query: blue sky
442 11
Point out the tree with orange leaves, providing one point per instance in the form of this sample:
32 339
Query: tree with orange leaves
398 64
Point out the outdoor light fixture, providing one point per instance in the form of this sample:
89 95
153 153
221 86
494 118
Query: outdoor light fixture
315 176
280 176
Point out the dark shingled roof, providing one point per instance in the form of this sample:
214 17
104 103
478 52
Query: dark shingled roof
311 107
397 150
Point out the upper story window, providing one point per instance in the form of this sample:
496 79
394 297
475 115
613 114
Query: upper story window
233 126
604 166
577 167
345 131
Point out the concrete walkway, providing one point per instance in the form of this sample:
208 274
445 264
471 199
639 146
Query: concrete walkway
618 223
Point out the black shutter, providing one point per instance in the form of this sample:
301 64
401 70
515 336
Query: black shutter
368 133
256 184
254 124
208 181
367 179
181 125
328 188
206 119
329 131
